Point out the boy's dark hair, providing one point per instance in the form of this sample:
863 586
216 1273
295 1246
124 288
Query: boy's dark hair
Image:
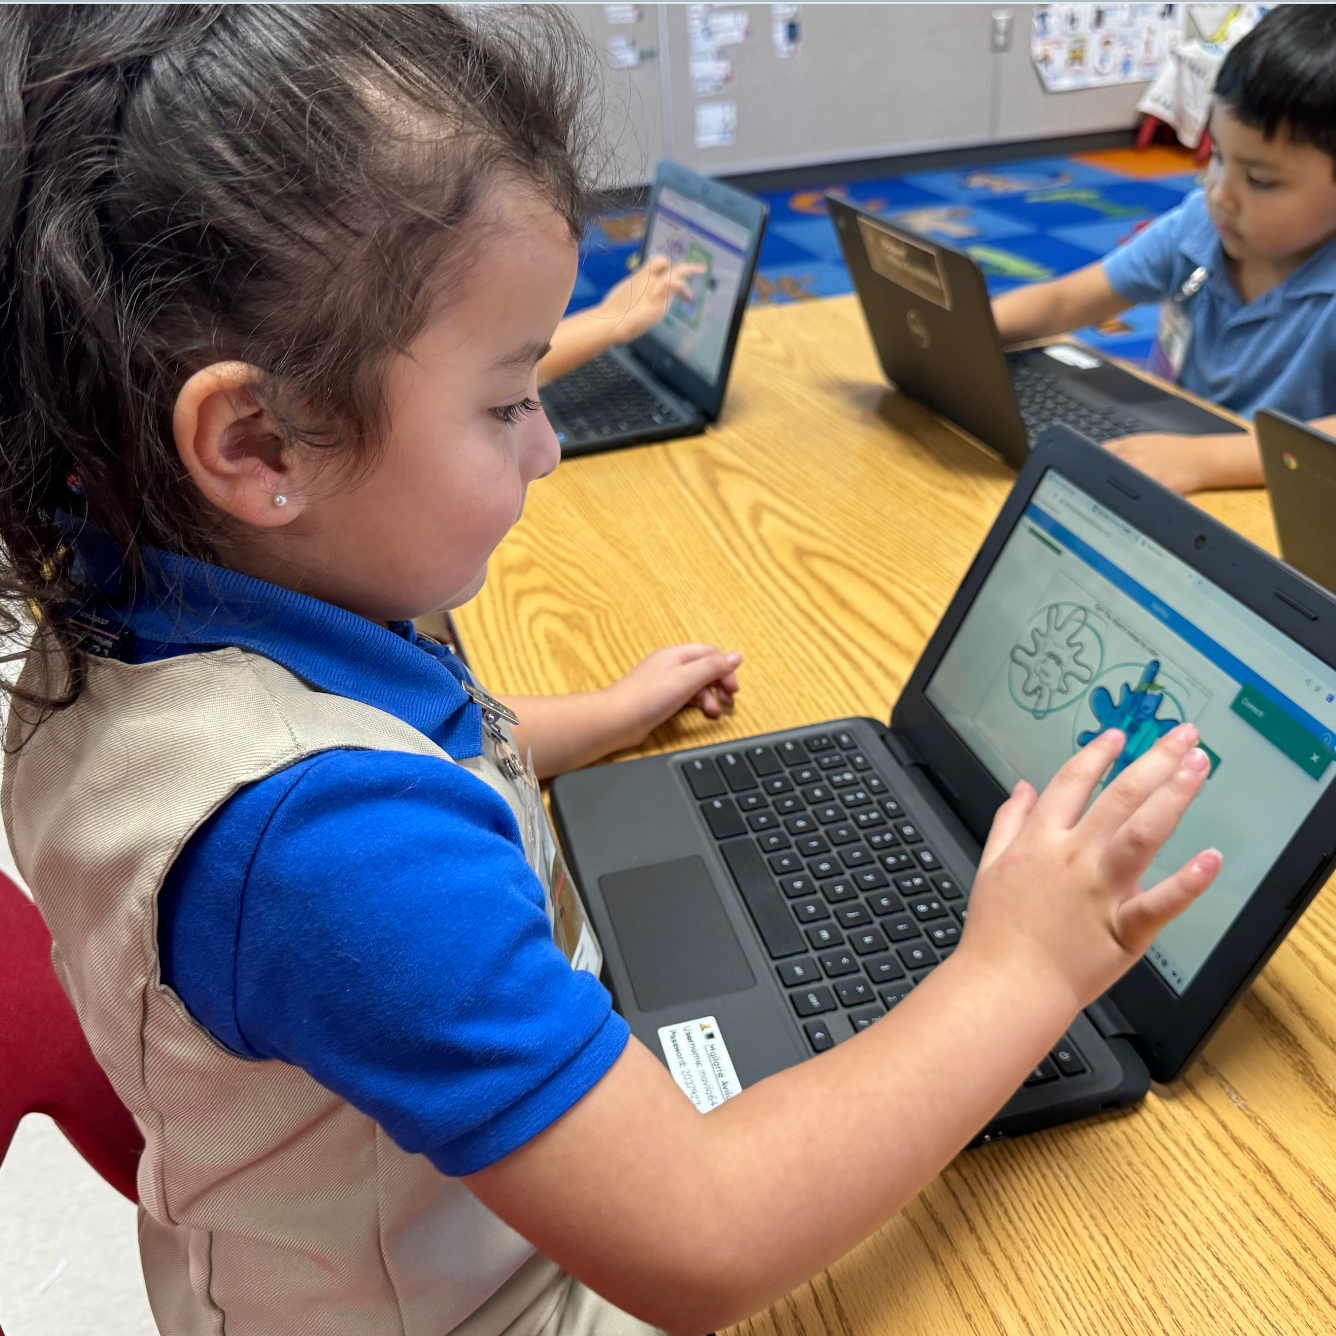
288 186
1282 76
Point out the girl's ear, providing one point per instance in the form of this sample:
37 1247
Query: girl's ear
232 448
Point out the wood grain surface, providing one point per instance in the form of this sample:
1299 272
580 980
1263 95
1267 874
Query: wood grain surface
821 528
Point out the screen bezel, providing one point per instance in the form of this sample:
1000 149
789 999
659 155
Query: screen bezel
1170 1027
738 208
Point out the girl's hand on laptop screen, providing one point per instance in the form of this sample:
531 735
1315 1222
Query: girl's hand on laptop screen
1058 886
640 300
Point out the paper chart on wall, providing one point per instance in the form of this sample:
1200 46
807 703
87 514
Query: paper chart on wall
1091 45
716 124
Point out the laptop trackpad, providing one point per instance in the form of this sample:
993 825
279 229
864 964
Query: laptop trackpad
675 938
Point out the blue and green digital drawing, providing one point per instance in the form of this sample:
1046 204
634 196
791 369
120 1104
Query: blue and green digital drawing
1137 714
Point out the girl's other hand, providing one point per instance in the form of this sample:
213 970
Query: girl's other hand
669 680
641 299
1058 886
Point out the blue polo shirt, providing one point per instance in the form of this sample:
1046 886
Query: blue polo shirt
369 916
1278 351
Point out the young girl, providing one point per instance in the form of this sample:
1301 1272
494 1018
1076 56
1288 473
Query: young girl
274 283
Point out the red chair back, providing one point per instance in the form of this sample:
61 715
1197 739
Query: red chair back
46 1065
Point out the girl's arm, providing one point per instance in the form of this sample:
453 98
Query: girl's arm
1042 309
632 308
566 732
694 1222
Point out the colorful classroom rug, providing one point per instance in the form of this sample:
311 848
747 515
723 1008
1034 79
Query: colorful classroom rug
1023 221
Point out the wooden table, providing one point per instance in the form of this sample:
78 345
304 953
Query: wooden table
821 529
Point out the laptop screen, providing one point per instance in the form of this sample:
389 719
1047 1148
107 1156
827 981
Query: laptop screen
695 329
1085 623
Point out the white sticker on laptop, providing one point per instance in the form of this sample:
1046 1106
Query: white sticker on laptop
1069 356
699 1062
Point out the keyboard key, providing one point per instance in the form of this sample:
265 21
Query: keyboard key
892 808
736 771
865 1016
813 1001
807 774
817 794
837 963
908 832
830 761
780 864
786 804
791 753
821 742
870 878
869 818
842 834
810 911
959 911
800 824
722 818
867 941
777 784
855 856
846 741
841 779
944 935
899 927
773 841
763 821
821 868
884 969
917 955
860 762
829 814
819 1036
927 859
751 802
704 777
1045 1072
802 970
912 885
885 902
926 908
824 935
891 996
897 860
883 839
841 889
874 784
762 898
796 888
763 761
852 914
947 888
811 845
854 992
1068 1058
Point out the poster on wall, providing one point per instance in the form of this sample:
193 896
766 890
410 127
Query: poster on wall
1089 46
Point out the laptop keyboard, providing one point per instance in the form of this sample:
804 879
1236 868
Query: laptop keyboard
602 398
1043 402
852 903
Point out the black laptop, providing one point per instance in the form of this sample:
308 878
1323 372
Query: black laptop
1299 464
759 901
928 310
670 382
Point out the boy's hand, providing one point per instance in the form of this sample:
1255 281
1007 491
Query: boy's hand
1057 889
667 681
640 300
1192 463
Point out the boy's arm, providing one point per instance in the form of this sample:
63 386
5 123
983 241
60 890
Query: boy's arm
631 308
694 1222
1038 310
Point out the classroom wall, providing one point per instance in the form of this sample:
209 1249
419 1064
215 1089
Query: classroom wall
869 80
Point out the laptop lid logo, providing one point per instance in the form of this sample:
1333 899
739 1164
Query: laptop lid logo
910 263
918 331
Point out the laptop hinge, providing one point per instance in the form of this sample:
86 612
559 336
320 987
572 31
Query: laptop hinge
1108 1020
902 751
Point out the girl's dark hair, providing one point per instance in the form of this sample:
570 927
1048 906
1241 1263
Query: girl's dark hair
289 186
1282 76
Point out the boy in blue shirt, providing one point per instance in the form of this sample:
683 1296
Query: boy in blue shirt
1246 266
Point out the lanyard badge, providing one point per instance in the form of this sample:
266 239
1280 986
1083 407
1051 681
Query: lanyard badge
1174 335
493 712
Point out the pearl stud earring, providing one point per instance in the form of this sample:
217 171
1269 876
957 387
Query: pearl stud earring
280 500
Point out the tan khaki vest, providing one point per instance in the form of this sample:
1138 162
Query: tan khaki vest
270 1207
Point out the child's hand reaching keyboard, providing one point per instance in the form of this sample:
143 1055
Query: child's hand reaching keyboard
1058 882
